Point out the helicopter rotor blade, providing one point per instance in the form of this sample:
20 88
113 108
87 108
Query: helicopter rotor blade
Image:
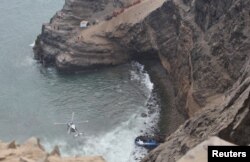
68 131
86 121
60 123
72 117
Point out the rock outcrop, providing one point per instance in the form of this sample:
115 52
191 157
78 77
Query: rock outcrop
227 119
199 152
60 41
32 151
203 45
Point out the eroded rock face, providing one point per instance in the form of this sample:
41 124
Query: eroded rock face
199 152
227 120
60 41
203 45
32 151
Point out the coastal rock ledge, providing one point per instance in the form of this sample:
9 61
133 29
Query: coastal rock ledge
202 45
33 151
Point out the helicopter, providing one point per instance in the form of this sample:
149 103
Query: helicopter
71 127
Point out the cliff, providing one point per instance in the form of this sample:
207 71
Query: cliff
199 152
33 151
228 119
203 46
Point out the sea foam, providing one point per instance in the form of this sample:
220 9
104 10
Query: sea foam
118 144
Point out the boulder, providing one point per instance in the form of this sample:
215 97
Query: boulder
12 145
55 152
30 151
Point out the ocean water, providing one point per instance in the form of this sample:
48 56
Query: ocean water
33 98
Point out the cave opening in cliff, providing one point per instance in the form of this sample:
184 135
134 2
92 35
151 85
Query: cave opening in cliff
148 56
170 117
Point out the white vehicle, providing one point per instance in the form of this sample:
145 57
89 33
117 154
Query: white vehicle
71 127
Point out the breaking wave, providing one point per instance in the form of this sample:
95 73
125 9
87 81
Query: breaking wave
118 144
32 44
139 74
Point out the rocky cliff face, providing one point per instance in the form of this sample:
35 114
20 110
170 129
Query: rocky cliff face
228 119
62 35
33 151
203 45
199 152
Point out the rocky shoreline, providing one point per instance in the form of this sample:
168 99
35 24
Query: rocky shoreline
32 151
203 48
170 118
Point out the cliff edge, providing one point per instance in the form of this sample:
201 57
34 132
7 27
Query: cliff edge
33 151
203 46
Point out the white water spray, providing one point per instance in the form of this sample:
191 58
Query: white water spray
118 144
